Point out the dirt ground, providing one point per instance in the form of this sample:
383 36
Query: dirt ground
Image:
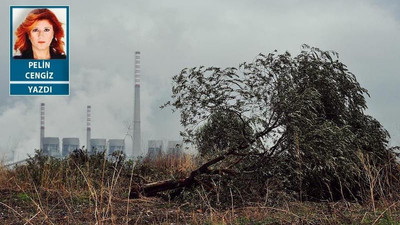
49 207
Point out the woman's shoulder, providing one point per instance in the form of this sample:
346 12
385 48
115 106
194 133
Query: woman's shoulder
57 56
23 56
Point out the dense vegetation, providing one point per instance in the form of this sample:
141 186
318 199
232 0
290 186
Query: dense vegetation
94 189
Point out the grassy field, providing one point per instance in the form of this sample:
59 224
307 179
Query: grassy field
91 190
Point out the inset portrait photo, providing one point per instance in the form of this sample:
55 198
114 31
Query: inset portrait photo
39 33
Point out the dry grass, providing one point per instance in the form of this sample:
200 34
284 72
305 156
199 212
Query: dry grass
176 166
3 174
96 191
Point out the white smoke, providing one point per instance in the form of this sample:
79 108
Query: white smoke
109 94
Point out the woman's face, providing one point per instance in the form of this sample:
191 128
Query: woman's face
41 35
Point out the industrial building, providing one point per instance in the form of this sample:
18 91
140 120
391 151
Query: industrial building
116 145
155 148
69 145
51 146
174 148
98 145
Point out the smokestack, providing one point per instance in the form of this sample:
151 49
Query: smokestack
136 110
41 125
89 128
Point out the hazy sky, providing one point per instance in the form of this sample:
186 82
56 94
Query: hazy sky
172 35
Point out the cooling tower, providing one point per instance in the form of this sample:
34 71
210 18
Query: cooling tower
136 149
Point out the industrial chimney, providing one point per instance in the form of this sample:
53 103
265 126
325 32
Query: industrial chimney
136 150
41 125
89 128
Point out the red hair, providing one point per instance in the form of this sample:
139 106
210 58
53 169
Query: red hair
23 44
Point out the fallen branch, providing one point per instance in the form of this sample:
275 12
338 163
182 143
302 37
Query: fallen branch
152 189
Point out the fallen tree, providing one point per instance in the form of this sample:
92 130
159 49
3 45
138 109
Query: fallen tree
298 120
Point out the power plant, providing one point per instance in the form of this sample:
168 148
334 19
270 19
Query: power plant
51 145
